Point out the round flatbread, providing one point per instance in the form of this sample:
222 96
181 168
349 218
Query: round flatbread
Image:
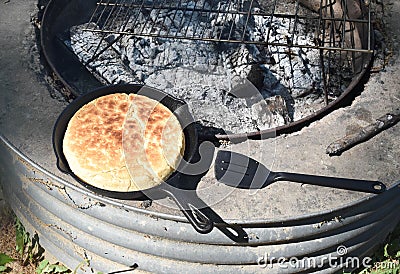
113 134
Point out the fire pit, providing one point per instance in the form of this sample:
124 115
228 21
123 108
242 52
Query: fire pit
283 220
302 60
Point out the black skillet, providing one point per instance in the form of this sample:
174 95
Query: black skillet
187 200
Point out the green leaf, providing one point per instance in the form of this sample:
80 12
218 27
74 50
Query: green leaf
392 249
48 269
41 266
385 251
22 237
5 259
19 242
2 268
60 268
44 267
81 264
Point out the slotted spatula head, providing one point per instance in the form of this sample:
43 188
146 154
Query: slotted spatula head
240 171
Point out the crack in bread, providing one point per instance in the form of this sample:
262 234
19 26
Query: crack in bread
152 154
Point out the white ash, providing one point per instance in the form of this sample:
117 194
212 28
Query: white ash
203 73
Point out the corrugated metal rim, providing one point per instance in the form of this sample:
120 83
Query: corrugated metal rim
62 234
77 226
263 222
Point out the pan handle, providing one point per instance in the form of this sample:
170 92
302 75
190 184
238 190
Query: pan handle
189 203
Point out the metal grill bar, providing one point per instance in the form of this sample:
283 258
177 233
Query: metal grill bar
192 21
247 20
205 10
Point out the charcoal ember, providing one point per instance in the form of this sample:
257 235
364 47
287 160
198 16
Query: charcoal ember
179 81
277 105
301 79
204 73
210 102
270 81
271 112
230 118
263 117
108 65
256 76
150 55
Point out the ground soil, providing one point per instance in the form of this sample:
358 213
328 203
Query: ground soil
8 241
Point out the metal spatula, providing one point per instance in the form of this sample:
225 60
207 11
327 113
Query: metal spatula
237 170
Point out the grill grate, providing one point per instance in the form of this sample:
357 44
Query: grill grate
299 35
230 21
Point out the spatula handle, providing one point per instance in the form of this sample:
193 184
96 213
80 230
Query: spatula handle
342 183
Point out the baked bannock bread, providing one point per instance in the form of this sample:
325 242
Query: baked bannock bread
122 142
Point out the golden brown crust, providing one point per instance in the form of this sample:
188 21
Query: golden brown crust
93 142
150 153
